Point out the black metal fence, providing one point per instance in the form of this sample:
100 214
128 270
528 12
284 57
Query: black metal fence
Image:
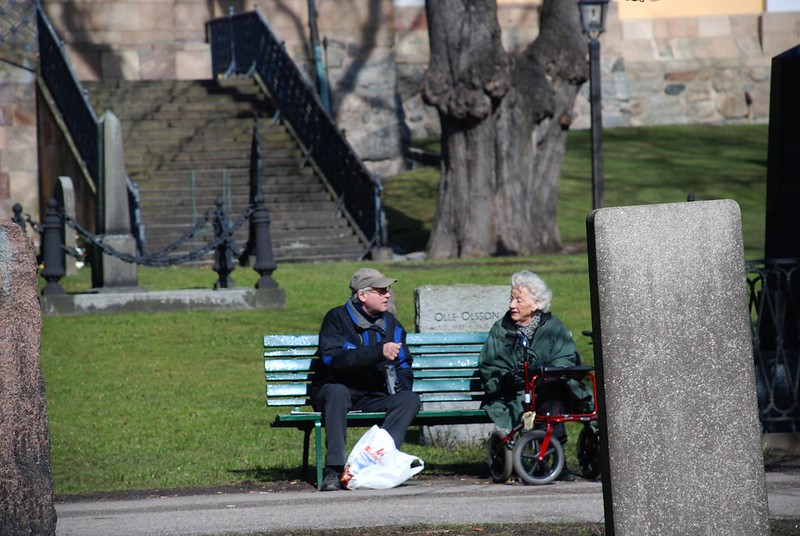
244 44
69 95
224 246
775 313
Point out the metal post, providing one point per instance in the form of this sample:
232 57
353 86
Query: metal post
223 258
595 99
17 218
265 263
52 250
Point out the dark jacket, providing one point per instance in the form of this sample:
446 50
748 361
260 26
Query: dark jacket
551 346
351 350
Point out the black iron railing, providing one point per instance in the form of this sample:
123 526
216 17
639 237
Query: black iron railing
69 95
244 44
775 313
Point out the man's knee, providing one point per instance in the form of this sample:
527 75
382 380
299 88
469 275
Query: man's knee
407 401
335 396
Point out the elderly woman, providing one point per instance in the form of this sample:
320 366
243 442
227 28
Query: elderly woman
527 332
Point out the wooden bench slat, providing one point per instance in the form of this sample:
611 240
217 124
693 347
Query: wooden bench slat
444 350
446 338
422 374
287 377
297 402
287 389
446 385
446 362
290 352
286 365
290 341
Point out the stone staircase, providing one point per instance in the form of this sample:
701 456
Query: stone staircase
188 142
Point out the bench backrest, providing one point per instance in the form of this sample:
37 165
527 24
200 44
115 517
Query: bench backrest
445 367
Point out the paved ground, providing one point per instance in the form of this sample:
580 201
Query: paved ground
429 502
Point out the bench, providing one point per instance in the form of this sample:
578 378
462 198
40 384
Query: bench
445 370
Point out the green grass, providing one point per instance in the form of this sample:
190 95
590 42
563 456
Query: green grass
642 166
173 400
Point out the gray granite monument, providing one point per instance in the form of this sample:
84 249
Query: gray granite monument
114 224
446 308
462 308
682 443
26 484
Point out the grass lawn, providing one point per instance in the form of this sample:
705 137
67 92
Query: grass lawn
158 401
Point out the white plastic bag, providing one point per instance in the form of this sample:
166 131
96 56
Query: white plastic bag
375 462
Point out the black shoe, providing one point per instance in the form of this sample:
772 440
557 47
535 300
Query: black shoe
332 480
566 475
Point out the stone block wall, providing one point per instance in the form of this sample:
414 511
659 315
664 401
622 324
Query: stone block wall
18 165
698 69
703 68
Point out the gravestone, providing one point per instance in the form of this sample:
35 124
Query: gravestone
463 308
446 308
26 485
65 196
114 214
673 350
782 238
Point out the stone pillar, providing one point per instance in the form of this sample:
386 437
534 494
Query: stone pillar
26 484
65 195
680 437
782 238
114 215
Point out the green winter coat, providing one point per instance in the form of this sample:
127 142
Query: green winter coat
552 346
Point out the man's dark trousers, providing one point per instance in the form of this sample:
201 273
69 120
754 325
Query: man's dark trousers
335 400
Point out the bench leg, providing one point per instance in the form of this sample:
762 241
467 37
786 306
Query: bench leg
306 441
318 439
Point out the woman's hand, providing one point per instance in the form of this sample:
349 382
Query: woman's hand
512 382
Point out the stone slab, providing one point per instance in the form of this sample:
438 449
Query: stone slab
136 300
446 308
674 356
26 484
112 271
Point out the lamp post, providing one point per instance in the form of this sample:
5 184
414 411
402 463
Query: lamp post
593 20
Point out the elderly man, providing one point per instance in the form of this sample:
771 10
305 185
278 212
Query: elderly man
364 365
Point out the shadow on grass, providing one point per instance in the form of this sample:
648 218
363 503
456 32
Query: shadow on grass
406 234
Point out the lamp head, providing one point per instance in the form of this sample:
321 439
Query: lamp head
593 16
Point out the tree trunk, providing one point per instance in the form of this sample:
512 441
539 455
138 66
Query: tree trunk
504 122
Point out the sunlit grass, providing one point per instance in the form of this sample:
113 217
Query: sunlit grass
149 401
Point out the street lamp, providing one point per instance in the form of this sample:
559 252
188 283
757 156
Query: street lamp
593 20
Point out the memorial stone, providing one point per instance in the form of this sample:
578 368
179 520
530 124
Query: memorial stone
114 217
65 196
673 350
26 485
463 308
446 308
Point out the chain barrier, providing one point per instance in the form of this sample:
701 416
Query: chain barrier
158 258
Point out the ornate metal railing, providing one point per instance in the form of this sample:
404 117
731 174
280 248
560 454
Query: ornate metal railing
775 313
244 44
69 95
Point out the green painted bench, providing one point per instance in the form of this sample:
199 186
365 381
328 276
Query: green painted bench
445 370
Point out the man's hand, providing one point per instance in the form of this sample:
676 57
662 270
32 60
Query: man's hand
391 350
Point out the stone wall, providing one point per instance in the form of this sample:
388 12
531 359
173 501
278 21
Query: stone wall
165 39
701 69
705 68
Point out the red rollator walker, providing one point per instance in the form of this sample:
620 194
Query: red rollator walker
530 449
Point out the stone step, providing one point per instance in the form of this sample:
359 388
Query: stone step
188 141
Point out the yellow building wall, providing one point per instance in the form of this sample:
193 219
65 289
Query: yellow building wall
657 9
